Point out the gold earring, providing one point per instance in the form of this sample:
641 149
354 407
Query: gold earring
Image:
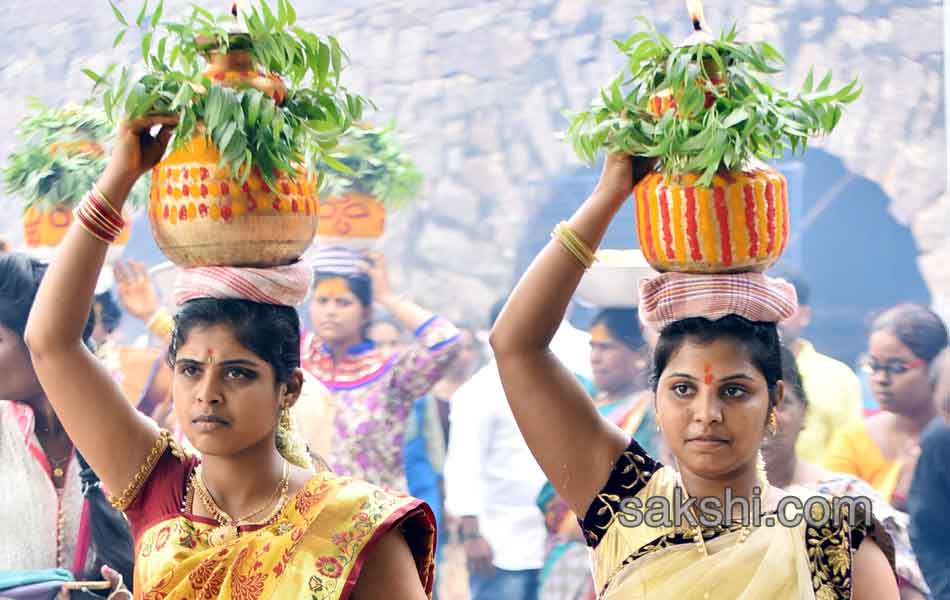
284 419
773 423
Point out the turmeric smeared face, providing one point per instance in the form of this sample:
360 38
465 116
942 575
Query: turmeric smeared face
336 313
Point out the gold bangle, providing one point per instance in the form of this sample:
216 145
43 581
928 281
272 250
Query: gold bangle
573 244
161 324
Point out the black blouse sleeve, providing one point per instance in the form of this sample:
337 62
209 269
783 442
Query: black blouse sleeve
631 472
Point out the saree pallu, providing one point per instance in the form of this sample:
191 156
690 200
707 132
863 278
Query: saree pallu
801 562
314 549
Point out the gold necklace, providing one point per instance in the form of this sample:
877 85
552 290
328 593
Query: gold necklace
227 529
698 538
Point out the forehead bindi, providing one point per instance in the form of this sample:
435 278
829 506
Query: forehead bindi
710 362
215 343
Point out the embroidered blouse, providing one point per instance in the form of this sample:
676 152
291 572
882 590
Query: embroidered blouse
373 395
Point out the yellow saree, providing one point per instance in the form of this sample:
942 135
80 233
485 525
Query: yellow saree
314 549
643 561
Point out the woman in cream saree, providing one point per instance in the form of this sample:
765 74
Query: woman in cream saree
717 380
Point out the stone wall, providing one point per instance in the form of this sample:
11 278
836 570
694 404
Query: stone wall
481 86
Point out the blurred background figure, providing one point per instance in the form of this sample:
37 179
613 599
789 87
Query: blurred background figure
55 514
930 490
787 470
492 483
372 389
883 449
834 392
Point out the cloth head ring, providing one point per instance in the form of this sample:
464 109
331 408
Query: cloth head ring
284 286
673 297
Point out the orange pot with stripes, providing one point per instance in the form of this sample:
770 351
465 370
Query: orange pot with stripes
737 224
200 216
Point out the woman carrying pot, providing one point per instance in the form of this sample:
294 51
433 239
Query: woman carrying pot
236 374
373 390
883 449
787 471
717 378
54 514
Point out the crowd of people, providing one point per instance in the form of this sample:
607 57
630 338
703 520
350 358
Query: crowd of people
385 452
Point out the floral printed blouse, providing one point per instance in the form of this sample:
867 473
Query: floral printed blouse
373 395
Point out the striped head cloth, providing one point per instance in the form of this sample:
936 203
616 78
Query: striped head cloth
285 286
339 260
673 297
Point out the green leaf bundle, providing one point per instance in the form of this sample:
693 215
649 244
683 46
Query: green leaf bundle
371 161
725 112
59 155
249 128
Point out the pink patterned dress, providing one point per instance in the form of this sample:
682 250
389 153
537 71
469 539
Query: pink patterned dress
373 395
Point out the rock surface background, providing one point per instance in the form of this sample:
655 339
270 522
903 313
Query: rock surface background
481 88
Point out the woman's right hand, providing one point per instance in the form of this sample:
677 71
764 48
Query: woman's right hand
135 150
136 291
620 173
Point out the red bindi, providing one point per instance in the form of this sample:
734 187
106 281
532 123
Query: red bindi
708 375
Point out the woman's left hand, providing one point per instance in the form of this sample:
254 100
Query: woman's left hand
119 591
379 275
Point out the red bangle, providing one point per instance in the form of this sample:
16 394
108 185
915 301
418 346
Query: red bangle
92 216
106 211
91 226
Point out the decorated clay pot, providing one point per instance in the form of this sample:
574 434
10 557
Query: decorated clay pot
739 223
354 220
236 69
46 227
201 216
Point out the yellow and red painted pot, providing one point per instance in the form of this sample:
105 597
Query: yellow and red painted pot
201 216
737 224
46 227
356 220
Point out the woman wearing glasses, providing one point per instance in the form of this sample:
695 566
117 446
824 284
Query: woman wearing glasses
883 449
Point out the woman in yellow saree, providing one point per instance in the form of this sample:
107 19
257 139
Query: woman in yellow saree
717 378
251 518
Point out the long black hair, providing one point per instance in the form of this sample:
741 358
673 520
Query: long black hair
111 535
20 277
271 332
917 327
760 341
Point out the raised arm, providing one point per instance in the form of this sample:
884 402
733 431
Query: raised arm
574 445
113 437
408 313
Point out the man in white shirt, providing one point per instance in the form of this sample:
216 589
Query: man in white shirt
492 481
